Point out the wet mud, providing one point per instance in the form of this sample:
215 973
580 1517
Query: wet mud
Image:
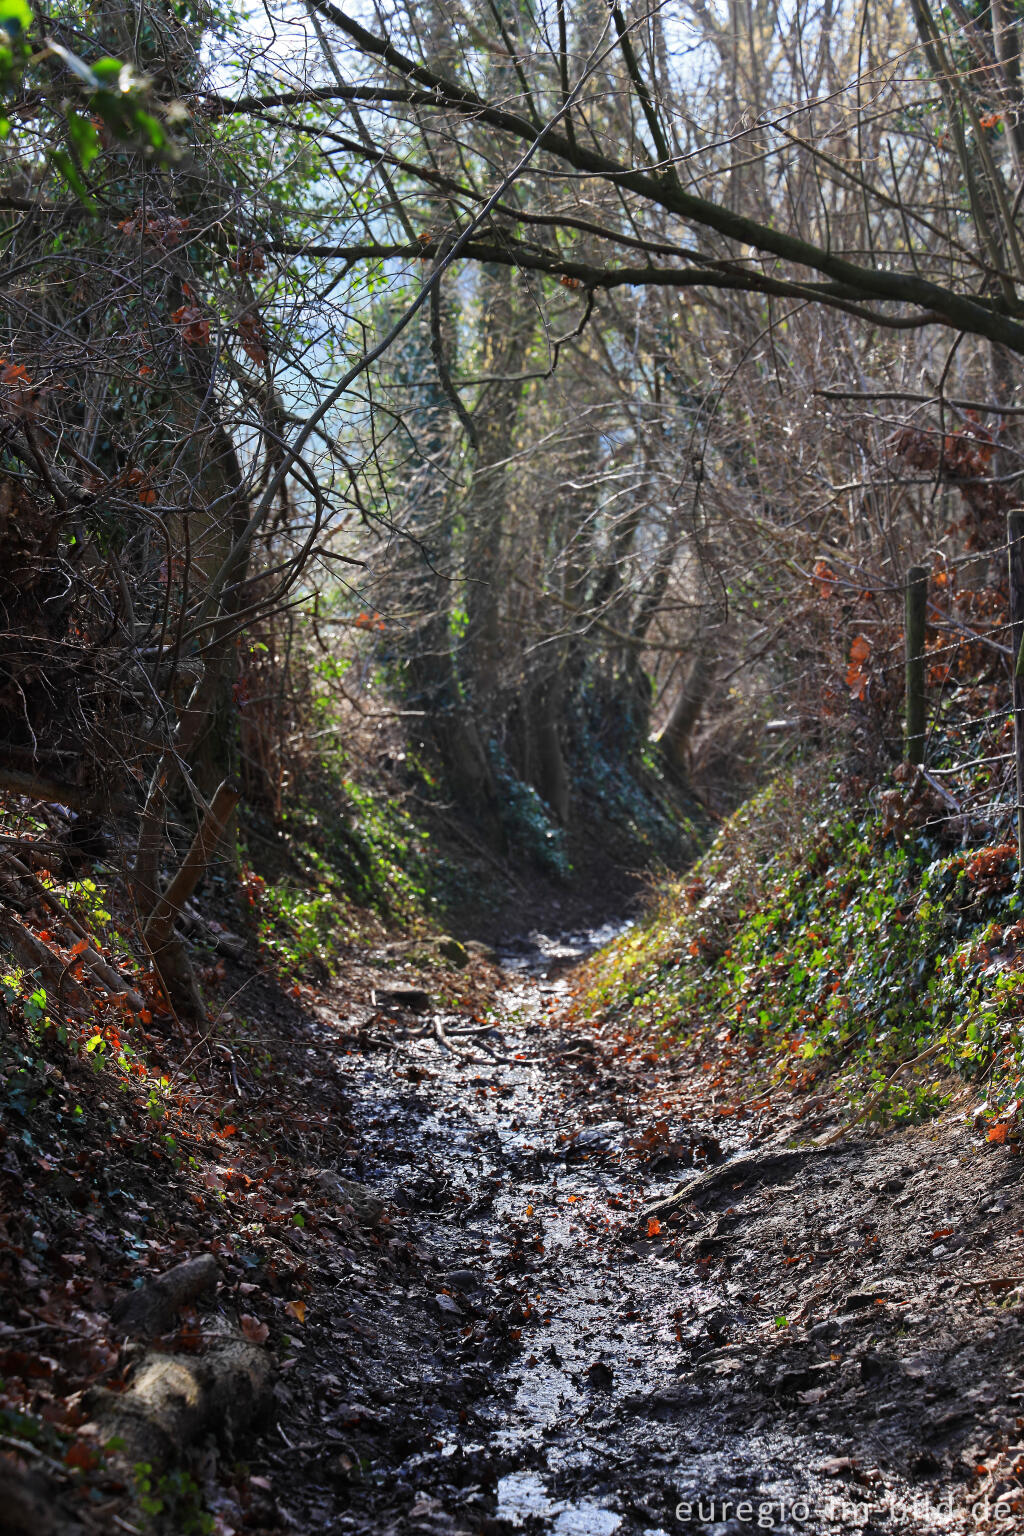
594 1309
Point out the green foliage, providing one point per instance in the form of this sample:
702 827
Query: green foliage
15 24
618 773
171 1502
355 850
530 827
830 945
108 92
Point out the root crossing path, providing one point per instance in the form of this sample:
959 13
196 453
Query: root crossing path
604 1306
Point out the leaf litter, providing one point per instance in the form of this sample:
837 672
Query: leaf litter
478 1323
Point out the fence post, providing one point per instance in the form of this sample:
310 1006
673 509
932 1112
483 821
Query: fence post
1015 556
914 627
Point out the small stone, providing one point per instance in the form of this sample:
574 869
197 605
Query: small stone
412 998
463 1279
367 1206
857 1299
600 1376
451 950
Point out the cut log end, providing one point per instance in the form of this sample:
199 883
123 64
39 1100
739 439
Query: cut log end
177 1400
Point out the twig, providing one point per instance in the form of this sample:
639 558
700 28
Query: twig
26 1448
109 977
877 1098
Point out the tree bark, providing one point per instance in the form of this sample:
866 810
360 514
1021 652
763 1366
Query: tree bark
151 1310
677 733
176 1400
30 1505
551 776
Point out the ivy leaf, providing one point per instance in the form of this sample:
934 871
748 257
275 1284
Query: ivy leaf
107 71
150 128
68 169
15 17
84 138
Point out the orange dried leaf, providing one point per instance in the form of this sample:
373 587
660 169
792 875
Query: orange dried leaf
296 1309
653 1226
82 1455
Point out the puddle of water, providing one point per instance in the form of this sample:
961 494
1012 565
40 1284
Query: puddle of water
535 952
523 1496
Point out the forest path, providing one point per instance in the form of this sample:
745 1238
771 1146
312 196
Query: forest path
801 1345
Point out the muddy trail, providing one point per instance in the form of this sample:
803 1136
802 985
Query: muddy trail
594 1303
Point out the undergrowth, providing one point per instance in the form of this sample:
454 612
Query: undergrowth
355 858
831 946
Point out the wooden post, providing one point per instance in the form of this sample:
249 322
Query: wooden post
914 627
1015 556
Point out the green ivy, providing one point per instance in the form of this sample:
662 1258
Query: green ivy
832 946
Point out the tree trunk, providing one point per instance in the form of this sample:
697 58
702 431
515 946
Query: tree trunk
550 775
502 351
677 733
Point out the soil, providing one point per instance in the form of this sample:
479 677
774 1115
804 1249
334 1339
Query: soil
827 1337
532 1276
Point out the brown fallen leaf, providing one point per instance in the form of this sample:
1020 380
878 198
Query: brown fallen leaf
255 1331
836 1465
296 1309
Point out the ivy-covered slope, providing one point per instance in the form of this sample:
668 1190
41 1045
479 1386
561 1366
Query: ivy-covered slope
826 940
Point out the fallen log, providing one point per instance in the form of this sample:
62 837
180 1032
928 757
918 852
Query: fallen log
51 792
31 953
204 845
151 1309
64 925
177 1400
